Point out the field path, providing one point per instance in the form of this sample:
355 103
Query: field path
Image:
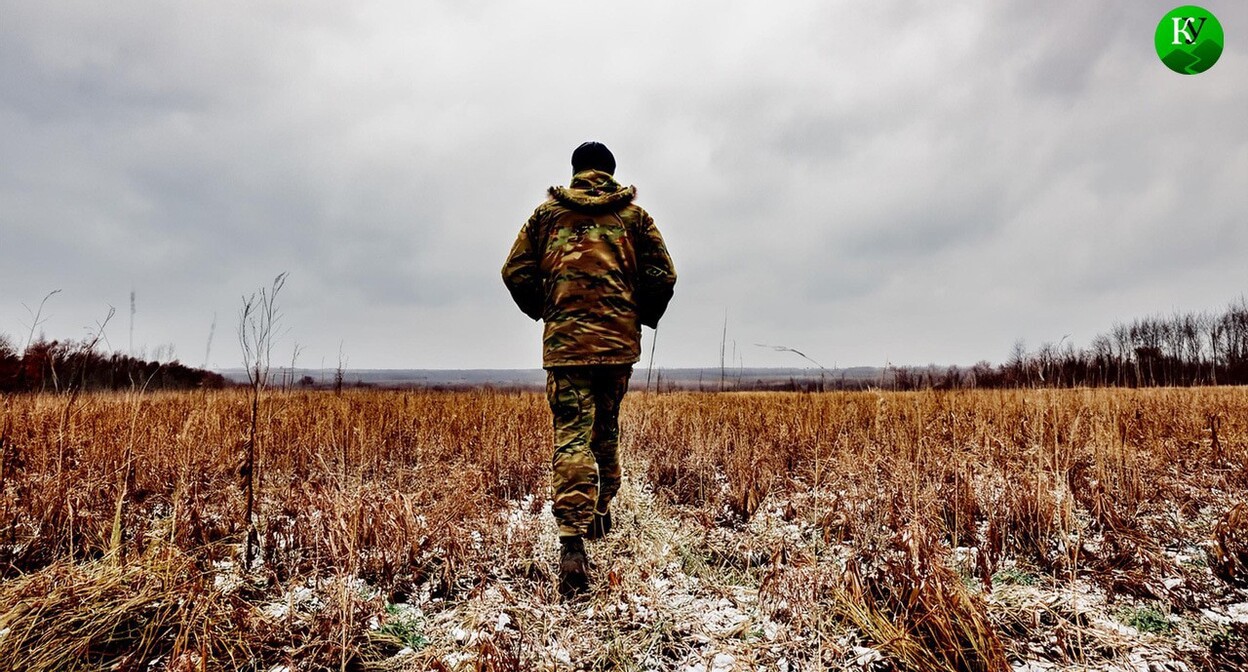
658 603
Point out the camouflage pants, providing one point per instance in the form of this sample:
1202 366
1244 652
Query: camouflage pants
585 401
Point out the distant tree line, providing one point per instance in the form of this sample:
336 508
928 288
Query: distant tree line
1183 349
57 366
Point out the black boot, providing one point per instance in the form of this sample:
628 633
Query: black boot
573 567
601 525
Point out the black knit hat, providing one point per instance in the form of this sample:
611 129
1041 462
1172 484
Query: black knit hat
593 156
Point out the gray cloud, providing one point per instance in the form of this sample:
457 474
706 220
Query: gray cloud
873 182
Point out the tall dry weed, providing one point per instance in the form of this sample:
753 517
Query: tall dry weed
409 492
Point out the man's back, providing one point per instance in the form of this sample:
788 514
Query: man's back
591 264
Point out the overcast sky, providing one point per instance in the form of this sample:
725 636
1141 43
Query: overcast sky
871 182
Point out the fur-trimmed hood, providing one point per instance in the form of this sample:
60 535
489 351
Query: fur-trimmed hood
593 191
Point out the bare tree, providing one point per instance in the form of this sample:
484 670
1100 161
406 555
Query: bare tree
37 318
258 321
83 356
289 382
339 372
799 353
212 329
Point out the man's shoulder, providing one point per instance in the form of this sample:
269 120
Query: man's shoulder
637 214
548 206
633 207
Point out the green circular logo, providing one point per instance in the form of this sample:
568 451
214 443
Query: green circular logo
1189 40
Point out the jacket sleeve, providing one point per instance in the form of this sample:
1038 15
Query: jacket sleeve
656 274
522 272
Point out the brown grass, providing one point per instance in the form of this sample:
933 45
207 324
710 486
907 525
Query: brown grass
130 532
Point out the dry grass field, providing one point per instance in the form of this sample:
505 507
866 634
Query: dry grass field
1043 530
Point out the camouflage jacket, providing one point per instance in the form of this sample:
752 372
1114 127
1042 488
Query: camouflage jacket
592 265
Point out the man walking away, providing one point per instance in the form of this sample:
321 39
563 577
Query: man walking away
591 264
